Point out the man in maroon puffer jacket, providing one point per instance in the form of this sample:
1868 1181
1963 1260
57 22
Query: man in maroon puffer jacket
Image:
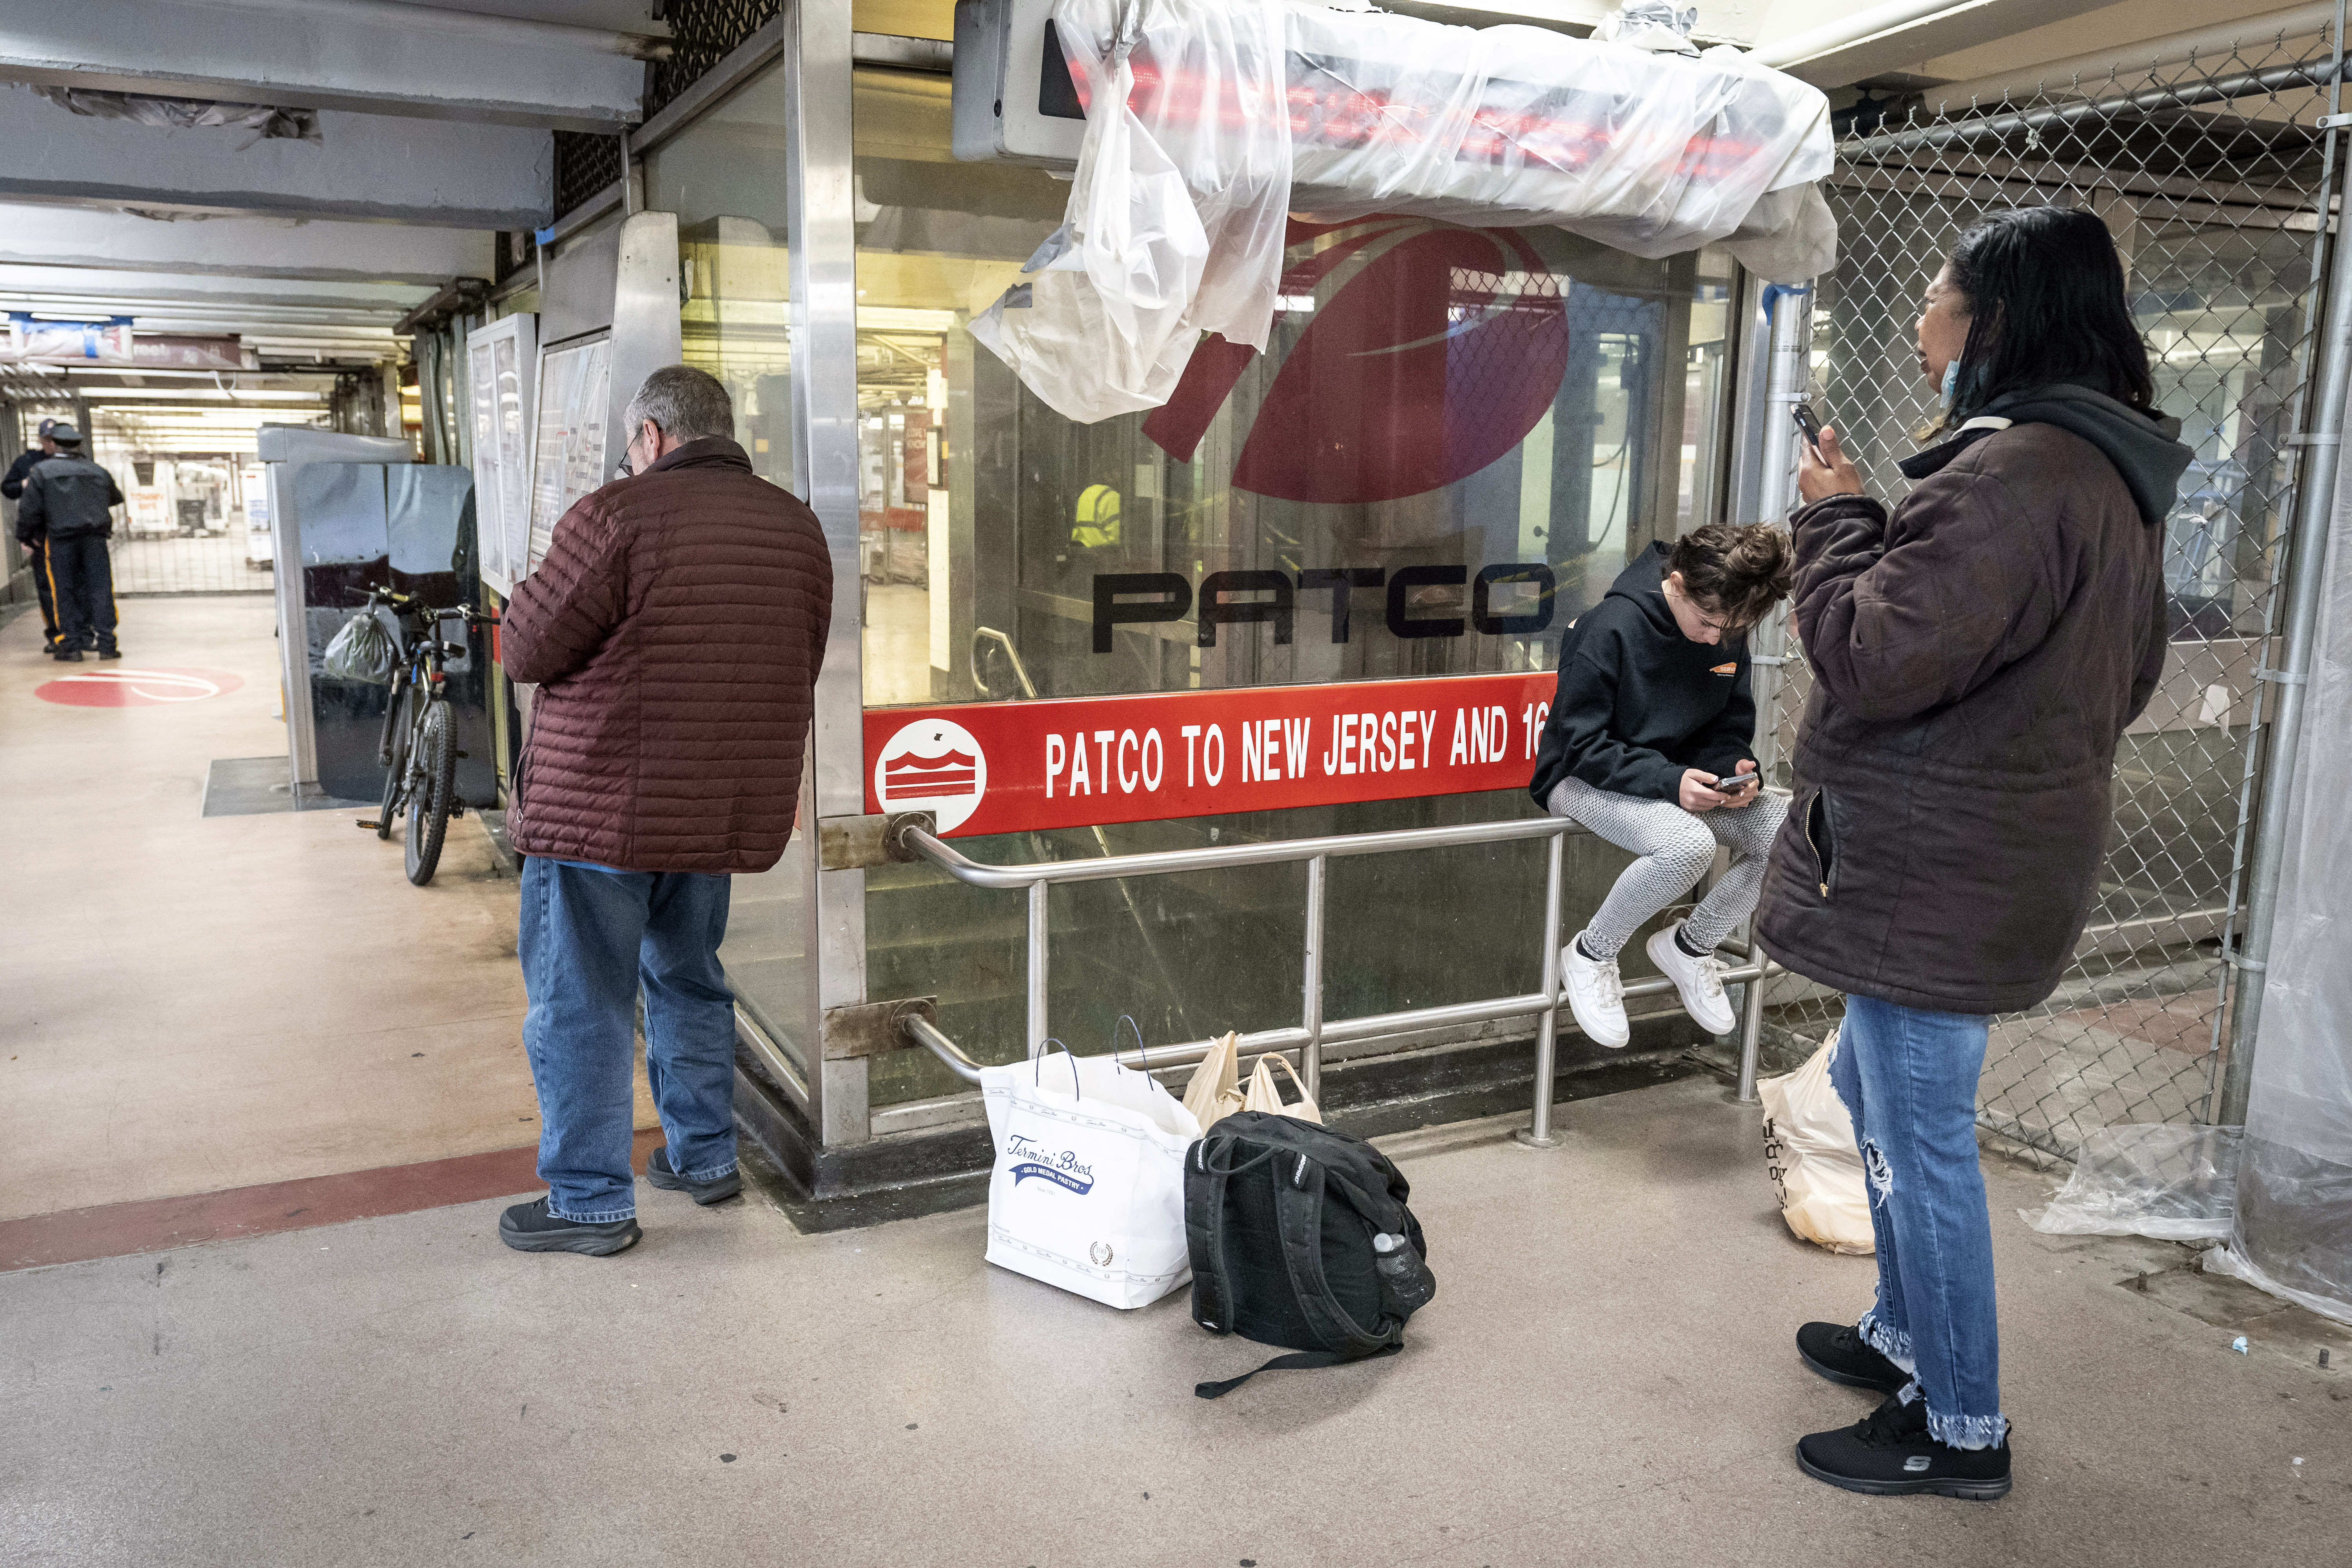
675 630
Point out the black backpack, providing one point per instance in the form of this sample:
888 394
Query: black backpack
1282 1216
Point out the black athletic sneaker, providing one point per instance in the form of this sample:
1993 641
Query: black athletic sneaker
104 657
528 1228
1839 1353
1888 1453
70 656
718 1191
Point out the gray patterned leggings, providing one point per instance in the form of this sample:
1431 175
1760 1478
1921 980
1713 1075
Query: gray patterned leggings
1675 847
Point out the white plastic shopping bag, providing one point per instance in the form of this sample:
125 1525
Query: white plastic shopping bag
1089 1189
1810 1150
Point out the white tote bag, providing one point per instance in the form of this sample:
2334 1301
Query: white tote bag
1810 1154
1089 1189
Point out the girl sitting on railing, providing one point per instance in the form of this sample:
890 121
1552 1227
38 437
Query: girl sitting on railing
1648 745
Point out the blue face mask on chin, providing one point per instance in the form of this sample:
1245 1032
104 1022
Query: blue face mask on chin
1952 380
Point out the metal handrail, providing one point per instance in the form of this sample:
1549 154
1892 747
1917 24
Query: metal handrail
1308 1037
1216 857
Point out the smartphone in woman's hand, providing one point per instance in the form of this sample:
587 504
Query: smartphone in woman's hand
1807 425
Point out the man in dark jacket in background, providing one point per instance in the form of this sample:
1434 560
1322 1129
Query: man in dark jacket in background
68 503
13 486
675 630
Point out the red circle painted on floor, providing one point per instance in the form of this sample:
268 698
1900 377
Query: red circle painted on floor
146 686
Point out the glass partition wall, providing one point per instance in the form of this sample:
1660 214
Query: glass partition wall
724 176
1455 441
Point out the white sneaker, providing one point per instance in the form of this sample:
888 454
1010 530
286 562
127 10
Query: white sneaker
1596 996
1700 980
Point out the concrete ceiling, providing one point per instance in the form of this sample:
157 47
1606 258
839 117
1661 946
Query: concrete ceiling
478 64
433 132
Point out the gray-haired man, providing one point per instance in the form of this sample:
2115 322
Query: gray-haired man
675 630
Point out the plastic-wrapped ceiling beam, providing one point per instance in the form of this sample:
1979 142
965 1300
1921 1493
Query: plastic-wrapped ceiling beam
1653 153
1239 111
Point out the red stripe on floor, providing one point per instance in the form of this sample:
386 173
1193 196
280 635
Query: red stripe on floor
158 1225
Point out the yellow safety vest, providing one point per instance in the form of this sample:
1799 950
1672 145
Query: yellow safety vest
1097 523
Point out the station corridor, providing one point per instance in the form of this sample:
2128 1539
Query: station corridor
865 638
1606 1376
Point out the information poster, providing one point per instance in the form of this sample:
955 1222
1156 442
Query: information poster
513 450
481 388
567 454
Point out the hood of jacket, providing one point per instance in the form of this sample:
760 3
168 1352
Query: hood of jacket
2145 449
1643 584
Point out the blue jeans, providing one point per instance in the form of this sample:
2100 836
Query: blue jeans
590 939
1908 1078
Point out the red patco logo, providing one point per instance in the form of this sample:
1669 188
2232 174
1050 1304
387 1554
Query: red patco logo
1434 350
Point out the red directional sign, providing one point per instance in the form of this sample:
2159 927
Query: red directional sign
1008 767
119 686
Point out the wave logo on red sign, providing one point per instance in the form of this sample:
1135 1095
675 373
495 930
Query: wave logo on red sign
932 765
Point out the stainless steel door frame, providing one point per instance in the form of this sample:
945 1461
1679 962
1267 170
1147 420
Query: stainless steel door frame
822 243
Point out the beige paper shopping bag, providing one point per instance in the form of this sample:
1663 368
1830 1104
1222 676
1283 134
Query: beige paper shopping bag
1215 1091
1266 1093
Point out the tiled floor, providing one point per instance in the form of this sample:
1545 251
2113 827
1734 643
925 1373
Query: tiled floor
191 1003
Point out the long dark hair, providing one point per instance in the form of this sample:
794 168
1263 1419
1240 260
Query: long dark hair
2045 293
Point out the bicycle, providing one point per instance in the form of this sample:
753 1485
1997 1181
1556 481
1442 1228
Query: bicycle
417 750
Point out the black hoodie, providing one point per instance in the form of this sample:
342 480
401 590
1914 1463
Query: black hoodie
1638 702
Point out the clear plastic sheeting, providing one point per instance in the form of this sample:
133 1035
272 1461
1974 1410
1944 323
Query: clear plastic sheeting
1176 217
2223 1259
1244 110
1650 25
2172 1182
2294 1234
1651 153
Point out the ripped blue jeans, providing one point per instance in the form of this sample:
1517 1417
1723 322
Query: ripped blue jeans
1908 1078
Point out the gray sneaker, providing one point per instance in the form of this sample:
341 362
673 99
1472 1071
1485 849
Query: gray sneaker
528 1228
717 1190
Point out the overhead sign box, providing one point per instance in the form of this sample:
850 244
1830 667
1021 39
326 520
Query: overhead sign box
1014 100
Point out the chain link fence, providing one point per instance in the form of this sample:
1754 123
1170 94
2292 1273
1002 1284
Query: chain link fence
2213 178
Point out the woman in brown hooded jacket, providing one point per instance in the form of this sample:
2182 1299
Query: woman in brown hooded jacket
1975 657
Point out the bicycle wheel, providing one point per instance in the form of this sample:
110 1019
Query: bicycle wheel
397 773
436 792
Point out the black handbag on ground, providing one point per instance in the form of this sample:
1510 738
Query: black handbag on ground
1300 1237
